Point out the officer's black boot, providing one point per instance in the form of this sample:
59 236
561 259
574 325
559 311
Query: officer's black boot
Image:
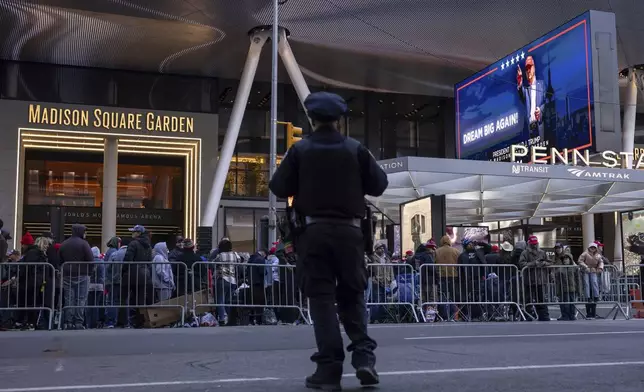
325 379
589 311
367 376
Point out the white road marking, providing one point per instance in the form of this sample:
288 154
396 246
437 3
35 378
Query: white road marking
504 368
137 385
390 373
527 335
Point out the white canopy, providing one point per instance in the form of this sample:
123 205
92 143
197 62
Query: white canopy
478 191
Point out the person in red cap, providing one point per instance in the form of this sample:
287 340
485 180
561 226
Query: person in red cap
26 241
431 248
535 276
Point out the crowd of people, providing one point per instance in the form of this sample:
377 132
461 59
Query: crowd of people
96 290
455 285
107 290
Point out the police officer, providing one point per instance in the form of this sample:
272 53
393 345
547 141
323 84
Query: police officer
328 175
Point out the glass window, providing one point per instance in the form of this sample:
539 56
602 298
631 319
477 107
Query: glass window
240 228
242 225
79 183
153 187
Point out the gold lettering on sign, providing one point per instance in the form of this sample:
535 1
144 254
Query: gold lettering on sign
108 120
58 116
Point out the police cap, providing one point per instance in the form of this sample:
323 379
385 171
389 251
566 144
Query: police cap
325 107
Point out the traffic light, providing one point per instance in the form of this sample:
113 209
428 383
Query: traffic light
293 135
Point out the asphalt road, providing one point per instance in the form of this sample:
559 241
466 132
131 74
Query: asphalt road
596 356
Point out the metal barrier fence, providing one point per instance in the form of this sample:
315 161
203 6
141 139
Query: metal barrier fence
570 286
470 291
390 287
249 292
27 293
93 292
633 281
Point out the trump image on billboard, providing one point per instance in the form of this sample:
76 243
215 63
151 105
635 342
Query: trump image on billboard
540 95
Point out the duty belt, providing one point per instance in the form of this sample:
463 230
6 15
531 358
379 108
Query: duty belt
310 220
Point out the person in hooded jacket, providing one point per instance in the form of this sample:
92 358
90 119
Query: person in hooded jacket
591 263
471 276
95 313
116 292
425 256
112 246
199 271
536 276
566 277
138 277
258 272
77 263
162 277
31 279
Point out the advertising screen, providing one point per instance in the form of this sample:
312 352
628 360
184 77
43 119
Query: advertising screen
632 238
415 223
457 234
541 95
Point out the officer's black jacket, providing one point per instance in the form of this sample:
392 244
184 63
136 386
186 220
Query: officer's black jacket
329 175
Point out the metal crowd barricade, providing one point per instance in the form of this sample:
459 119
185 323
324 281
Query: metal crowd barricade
632 282
93 293
27 294
392 286
242 293
569 286
486 292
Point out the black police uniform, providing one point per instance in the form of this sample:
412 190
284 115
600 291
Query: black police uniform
329 174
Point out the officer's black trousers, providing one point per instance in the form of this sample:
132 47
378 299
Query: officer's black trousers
331 270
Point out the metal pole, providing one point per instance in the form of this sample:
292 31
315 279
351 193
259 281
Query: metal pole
272 199
628 145
257 41
293 70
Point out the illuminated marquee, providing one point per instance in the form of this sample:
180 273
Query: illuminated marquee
110 120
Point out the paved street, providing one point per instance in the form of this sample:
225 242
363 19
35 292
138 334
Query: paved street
593 356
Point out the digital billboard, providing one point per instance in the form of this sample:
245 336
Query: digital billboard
415 223
457 234
540 95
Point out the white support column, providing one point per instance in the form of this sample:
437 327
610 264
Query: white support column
588 229
628 145
110 180
257 41
293 70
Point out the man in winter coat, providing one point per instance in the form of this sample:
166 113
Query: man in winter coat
471 276
77 263
535 276
447 256
566 281
138 277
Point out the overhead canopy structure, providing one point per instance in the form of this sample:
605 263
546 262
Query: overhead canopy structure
477 191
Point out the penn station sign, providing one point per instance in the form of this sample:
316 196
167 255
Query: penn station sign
552 156
110 120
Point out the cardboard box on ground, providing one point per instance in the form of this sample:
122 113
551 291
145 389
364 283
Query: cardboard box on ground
171 312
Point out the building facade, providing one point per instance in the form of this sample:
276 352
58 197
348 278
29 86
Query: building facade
58 120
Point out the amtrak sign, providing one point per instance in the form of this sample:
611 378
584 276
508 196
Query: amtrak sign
597 174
